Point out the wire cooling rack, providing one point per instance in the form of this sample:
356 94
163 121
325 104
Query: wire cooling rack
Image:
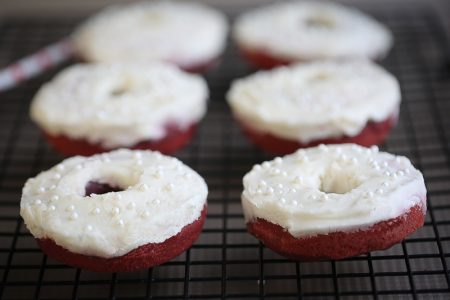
226 262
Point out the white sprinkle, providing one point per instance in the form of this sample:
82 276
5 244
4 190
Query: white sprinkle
169 187
385 184
338 150
293 191
52 207
400 173
115 211
70 208
89 228
57 176
256 167
187 175
294 202
323 148
143 187
118 196
145 214
283 201
298 180
52 187
38 202
387 173
60 167
385 164
131 205
55 198
42 189
73 216
96 211
284 174
120 222
78 167
259 192
157 201
354 160
393 175
137 154
280 186
407 171
379 191
275 172
262 183
313 197
278 160
374 149
270 190
343 157
326 197
369 194
266 165
158 174
139 162
106 159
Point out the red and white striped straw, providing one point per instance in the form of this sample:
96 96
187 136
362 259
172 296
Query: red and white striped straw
35 64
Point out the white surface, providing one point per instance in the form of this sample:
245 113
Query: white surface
160 197
81 103
308 30
318 100
332 188
183 33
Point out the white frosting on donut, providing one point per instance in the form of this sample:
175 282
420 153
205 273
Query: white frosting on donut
318 100
332 188
119 105
310 30
180 32
161 195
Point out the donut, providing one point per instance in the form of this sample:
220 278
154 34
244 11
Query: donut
333 202
93 108
324 102
120 211
189 35
293 31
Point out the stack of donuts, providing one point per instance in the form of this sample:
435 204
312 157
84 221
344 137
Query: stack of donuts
122 203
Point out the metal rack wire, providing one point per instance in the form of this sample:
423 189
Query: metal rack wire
226 262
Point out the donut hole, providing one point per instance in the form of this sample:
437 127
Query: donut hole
119 91
338 181
98 188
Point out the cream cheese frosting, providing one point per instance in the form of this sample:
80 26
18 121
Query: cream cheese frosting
179 32
119 105
332 188
307 102
307 30
160 196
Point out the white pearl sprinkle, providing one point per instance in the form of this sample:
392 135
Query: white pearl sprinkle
298 180
323 148
343 157
400 173
385 184
55 198
325 197
145 214
275 172
393 175
278 160
354 160
284 174
73 216
283 201
52 207
293 191
38 202
158 174
42 189
137 155
120 222
169 187
157 201
96 211
143 187
338 150
139 162
385 164
407 171
257 167
387 173
294 202
57 176
379 191
262 183
115 211
118 196
259 192
78 167
70 208
374 149
280 186
52 187
369 194
270 190
265 165
131 205
89 228
60 167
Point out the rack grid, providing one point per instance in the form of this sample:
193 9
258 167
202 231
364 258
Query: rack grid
226 262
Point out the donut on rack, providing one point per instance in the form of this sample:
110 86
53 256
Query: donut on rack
333 202
187 34
326 102
115 212
92 108
287 32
